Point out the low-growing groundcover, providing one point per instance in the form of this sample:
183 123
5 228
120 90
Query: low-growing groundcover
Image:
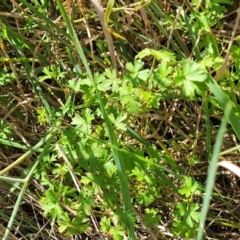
114 116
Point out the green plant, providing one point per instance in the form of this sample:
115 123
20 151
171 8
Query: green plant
186 218
186 215
5 130
117 150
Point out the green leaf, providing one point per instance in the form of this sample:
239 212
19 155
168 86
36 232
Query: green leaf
164 56
60 169
195 215
157 54
50 204
119 121
187 214
189 88
136 73
136 67
84 122
146 197
138 173
144 53
161 75
105 224
5 130
129 101
78 225
117 232
103 84
111 76
151 217
190 74
74 85
98 151
189 187
6 78
193 71
86 180
110 168
62 228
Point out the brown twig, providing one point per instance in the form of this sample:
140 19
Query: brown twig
224 65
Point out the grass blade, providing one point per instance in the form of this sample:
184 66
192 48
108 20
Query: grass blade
22 192
28 153
212 171
223 100
193 38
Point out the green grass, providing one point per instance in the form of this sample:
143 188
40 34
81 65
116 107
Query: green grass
117 143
